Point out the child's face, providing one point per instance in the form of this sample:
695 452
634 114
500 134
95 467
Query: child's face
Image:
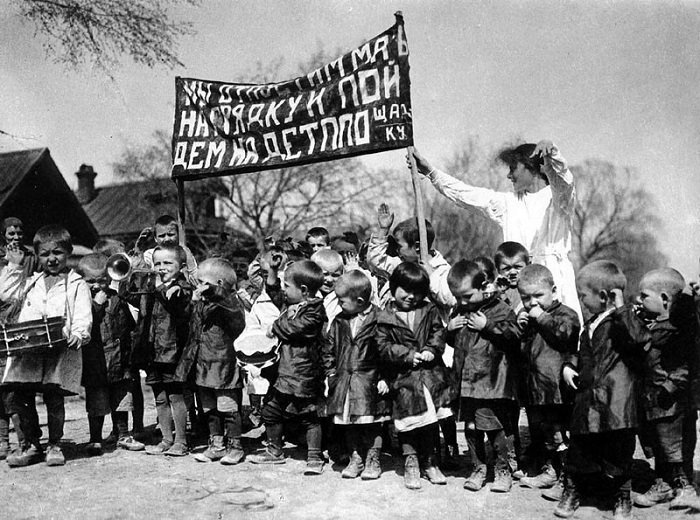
14 236
318 243
331 273
407 252
352 305
166 234
210 278
96 279
52 257
593 301
294 292
167 265
537 293
654 302
467 296
407 300
510 268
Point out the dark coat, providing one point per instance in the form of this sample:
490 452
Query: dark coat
352 366
397 346
300 331
547 343
169 324
695 360
107 357
209 358
609 367
484 360
665 390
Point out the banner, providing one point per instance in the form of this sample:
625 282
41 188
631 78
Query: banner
357 104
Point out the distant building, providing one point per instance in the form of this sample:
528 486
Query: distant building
33 190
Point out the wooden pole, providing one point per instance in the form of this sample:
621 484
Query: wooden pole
420 211
181 211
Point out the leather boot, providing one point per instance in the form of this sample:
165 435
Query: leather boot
411 473
373 468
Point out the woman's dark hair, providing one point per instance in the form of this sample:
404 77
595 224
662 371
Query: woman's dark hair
410 277
521 154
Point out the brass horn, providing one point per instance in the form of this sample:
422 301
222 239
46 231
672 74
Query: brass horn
140 281
119 267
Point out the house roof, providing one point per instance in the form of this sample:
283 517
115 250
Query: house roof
14 166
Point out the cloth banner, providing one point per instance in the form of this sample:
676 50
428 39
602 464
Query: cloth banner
357 104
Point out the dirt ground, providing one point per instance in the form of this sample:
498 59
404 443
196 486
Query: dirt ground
126 485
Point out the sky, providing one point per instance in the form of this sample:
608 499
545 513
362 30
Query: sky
617 81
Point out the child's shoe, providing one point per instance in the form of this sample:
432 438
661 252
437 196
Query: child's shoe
570 500
25 457
268 456
546 479
433 473
354 467
159 449
234 453
178 449
54 456
556 491
477 479
658 493
411 472
502 481
215 451
130 444
623 505
314 467
684 493
94 449
373 468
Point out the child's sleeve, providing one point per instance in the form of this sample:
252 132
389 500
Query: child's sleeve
328 350
561 181
489 202
81 318
232 316
377 258
439 290
502 330
560 331
436 336
396 354
628 333
305 325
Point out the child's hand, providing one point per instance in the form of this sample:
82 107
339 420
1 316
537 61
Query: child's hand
74 342
352 260
523 319
545 148
269 332
422 163
14 254
142 240
535 311
427 356
100 297
417 359
477 320
382 387
384 218
456 323
569 375
618 297
198 293
172 291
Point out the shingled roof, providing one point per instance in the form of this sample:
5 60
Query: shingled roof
14 166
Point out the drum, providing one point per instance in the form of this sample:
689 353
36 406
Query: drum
35 336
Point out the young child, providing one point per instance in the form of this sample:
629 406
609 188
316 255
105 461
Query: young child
331 263
318 239
406 239
605 377
55 291
107 371
209 359
483 332
298 388
351 360
411 343
165 232
168 331
669 421
510 258
550 335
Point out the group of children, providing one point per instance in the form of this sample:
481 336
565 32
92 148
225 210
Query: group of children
369 339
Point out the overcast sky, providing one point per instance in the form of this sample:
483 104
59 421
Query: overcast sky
617 81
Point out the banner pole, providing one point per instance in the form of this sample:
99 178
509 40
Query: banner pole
420 211
181 210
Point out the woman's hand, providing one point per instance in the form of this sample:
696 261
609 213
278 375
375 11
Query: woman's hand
544 148
424 167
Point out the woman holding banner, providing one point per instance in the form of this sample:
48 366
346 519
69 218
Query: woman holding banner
538 213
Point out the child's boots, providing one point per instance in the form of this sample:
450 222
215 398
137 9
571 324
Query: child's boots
411 473
684 493
546 479
570 499
215 451
477 479
623 505
432 472
355 467
373 468
234 453
502 482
